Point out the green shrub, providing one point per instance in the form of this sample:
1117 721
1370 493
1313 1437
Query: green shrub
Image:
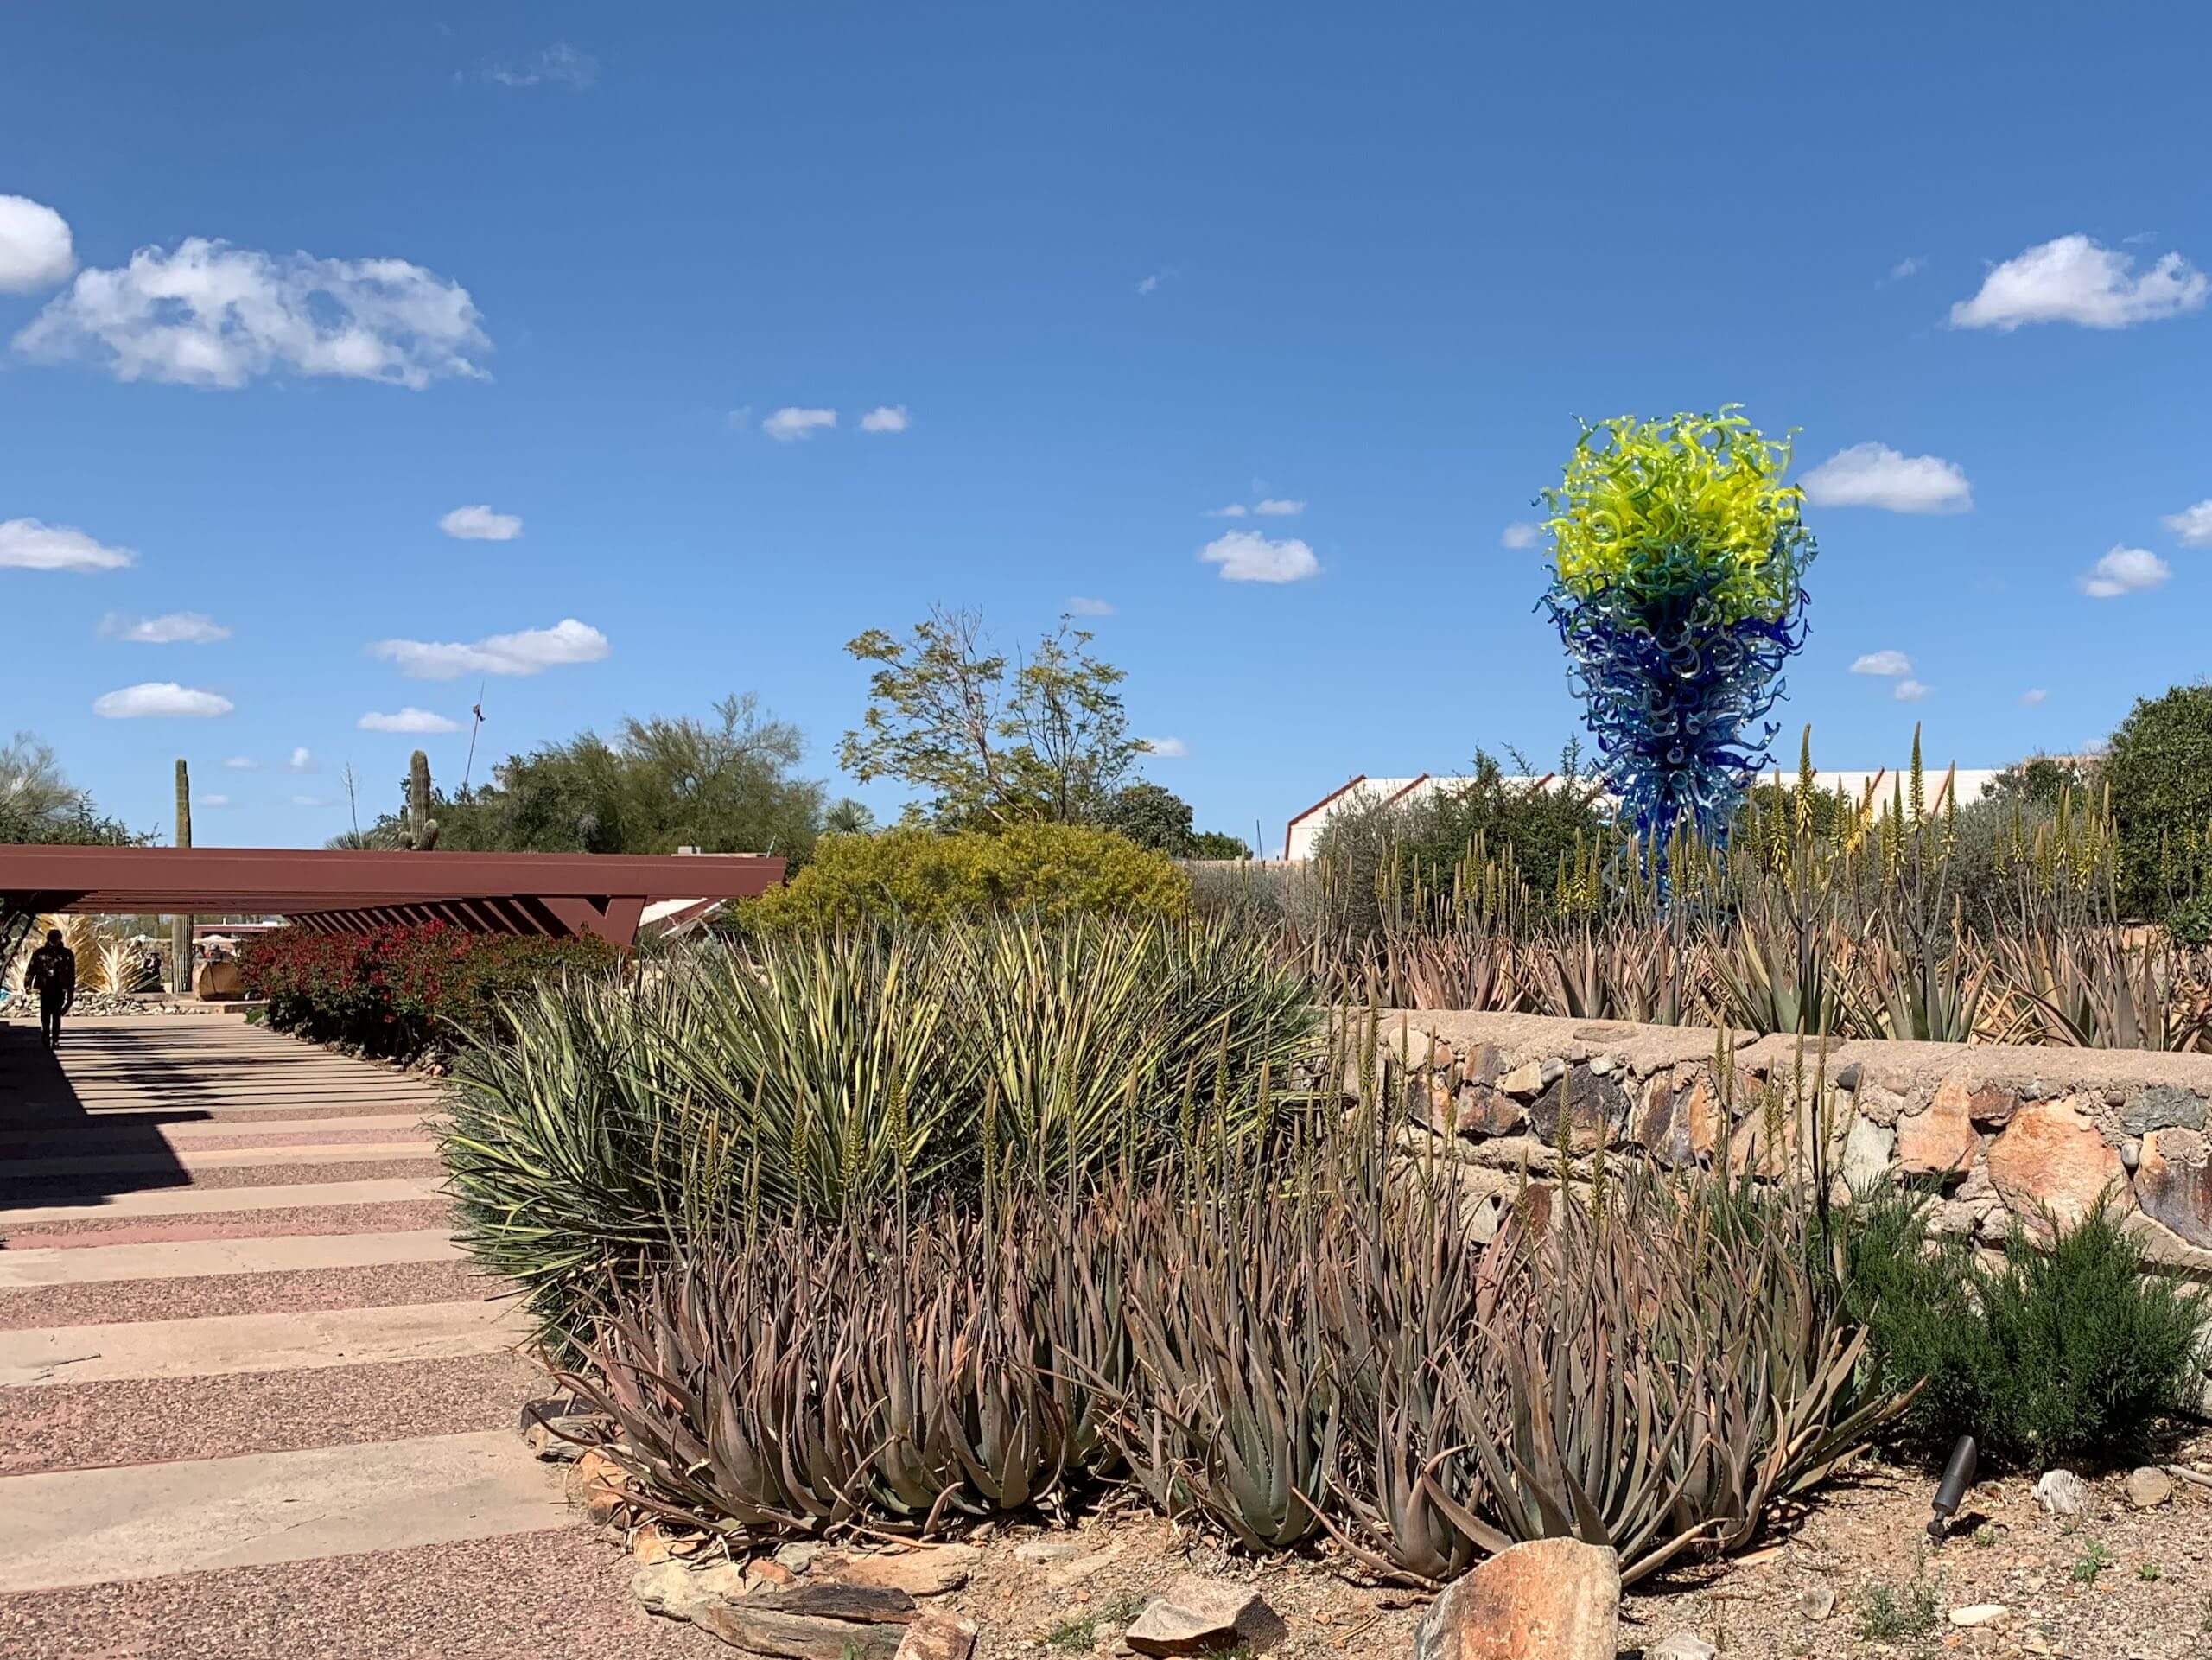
2190 922
794 1077
925 877
2068 1352
2158 769
395 992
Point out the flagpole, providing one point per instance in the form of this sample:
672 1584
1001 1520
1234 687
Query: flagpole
476 710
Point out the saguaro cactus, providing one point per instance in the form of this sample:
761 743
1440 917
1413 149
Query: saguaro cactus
422 830
180 927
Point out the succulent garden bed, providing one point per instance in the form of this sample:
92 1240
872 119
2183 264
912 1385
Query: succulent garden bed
1852 1575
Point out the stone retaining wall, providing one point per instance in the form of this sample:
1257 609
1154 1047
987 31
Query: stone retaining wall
2007 1134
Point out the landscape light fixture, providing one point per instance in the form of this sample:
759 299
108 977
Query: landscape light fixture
1958 1475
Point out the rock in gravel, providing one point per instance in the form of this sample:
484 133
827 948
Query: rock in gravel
666 1588
929 1573
2148 1487
1038 1552
560 1441
1548 1600
679 1591
2062 1492
1816 1603
1192 1615
1683 1646
937 1636
813 1622
1978 1614
797 1554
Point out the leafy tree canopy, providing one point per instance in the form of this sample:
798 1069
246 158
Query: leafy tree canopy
723 785
2039 781
1156 817
2159 767
992 742
39 804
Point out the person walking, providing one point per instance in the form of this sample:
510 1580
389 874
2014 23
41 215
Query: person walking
52 974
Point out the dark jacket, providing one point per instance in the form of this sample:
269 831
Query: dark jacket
53 972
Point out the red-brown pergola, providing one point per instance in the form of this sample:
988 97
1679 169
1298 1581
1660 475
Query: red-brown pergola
345 891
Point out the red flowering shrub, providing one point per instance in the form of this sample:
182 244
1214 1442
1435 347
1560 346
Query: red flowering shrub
391 992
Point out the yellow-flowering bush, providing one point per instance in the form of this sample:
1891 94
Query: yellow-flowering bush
927 876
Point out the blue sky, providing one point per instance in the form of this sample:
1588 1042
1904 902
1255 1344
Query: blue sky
1117 269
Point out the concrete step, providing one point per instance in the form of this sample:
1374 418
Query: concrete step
218 1343
200 1258
138 1522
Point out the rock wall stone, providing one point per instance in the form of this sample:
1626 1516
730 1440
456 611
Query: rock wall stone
2011 1136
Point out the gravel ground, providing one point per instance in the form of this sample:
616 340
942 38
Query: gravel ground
298 1291
150 1420
402 1217
134 1138
541 1596
2113 1583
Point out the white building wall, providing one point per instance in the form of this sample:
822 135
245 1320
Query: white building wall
1305 828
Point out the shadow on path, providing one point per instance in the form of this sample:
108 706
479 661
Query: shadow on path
53 1107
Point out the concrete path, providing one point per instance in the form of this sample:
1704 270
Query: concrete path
253 1403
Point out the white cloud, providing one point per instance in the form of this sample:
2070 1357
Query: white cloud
1519 534
1276 507
26 544
2033 697
885 417
210 801
410 719
160 697
1910 691
2124 570
1249 557
208 315
310 801
1888 662
1083 606
2072 279
558 65
302 761
1910 265
2192 524
528 653
171 628
1235 510
243 764
1874 476
35 251
787 425
1169 748
480 524
1151 285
